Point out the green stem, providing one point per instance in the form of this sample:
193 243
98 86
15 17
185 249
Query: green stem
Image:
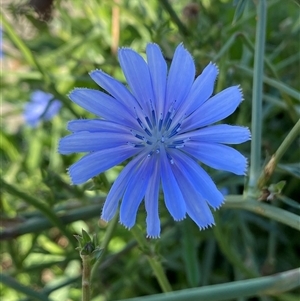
154 263
270 167
257 90
174 17
108 235
285 91
275 83
282 216
270 285
86 277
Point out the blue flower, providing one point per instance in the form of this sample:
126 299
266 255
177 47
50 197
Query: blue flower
42 106
163 123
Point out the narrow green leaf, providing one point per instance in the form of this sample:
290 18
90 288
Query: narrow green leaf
262 286
189 253
240 7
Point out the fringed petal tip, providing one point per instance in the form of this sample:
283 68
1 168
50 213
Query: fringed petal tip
73 181
216 66
96 70
179 219
126 226
125 49
155 44
219 206
70 123
248 132
207 226
75 90
152 236
59 147
241 91
70 176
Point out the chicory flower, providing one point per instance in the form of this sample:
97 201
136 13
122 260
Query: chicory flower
42 106
164 123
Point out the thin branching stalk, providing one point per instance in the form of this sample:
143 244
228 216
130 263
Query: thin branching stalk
86 277
108 236
271 165
153 260
257 92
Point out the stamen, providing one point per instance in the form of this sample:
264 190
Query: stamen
139 145
154 117
169 123
179 141
170 158
167 117
160 122
137 135
170 113
150 154
148 132
141 123
147 118
148 122
176 146
175 130
180 146
135 144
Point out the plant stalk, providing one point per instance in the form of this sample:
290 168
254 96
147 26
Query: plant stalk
86 277
153 261
270 167
257 92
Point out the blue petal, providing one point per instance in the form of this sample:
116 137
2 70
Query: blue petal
102 105
95 163
95 125
41 106
158 72
51 110
39 96
221 133
215 109
218 156
138 77
201 90
135 192
180 78
117 190
151 201
115 89
196 206
198 177
173 197
33 112
91 142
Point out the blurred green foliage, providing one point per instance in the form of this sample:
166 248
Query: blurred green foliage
53 48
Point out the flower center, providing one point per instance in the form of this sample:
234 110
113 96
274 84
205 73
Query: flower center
155 134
